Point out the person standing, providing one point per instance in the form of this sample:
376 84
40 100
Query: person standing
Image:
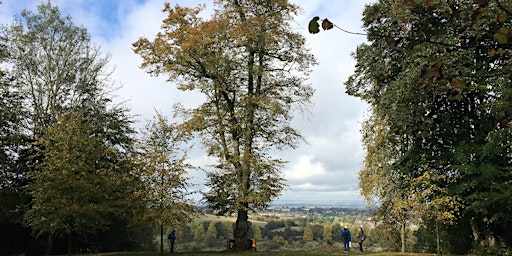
361 237
345 237
172 238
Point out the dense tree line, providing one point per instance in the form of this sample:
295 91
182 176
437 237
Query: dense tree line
72 157
438 151
72 177
437 75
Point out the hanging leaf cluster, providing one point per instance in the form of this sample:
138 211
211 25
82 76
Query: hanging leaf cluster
314 27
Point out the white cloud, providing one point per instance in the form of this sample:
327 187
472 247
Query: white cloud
327 167
309 186
304 169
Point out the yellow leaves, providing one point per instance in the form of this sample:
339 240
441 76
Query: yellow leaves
431 3
502 17
458 84
491 52
503 35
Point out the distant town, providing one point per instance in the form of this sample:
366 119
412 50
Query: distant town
357 204
292 209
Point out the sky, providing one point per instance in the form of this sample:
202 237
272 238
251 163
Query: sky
323 170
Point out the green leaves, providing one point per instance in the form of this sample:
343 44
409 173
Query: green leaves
72 188
438 78
162 168
70 69
313 25
503 35
78 178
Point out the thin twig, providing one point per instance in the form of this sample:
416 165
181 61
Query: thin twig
346 31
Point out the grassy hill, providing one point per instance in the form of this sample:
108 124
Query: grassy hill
313 252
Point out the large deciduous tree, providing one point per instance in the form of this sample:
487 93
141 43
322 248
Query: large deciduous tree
54 62
78 160
437 75
76 189
250 66
12 142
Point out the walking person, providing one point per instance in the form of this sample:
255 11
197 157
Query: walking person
361 237
172 238
345 237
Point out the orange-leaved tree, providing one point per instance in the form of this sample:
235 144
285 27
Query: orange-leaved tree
251 68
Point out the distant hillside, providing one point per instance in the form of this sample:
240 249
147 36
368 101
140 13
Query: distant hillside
321 203
215 218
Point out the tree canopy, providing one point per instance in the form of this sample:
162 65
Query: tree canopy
66 149
251 67
438 78
55 64
161 164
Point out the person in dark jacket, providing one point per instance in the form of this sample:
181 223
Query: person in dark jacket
346 238
361 237
172 238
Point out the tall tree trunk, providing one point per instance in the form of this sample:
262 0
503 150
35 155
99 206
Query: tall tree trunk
402 231
241 230
161 238
49 246
438 239
70 244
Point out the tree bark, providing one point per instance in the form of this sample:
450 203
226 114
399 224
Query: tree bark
241 231
161 238
438 239
402 231
70 244
49 246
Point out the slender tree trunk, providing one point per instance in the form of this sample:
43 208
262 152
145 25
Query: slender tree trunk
70 244
161 238
476 235
402 231
438 239
49 246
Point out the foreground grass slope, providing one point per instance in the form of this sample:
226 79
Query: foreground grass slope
313 252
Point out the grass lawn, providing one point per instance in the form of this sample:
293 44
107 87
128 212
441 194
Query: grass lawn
318 252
